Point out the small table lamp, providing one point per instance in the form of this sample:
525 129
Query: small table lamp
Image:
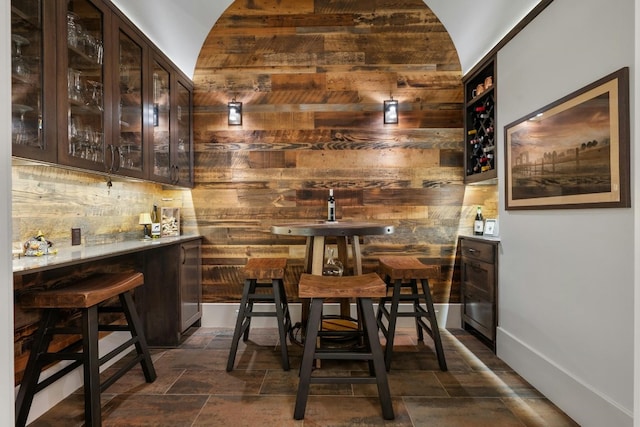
145 219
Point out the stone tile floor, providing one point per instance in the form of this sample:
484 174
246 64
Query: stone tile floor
194 389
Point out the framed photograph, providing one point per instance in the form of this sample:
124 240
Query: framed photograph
573 153
491 227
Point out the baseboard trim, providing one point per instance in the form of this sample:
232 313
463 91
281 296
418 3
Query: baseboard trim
577 399
223 315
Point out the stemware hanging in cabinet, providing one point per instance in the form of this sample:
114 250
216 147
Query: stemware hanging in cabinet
83 135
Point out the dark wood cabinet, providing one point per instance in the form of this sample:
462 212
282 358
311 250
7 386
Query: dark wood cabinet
87 93
171 137
85 138
171 299
479 124
479 286
33 81
190 284
131 140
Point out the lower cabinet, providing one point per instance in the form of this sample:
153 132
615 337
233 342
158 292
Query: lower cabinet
171 299
479 285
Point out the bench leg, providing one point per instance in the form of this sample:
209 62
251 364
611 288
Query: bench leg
29 383
91 367
393 319
237 333
433 321
281 313
369 324
306 367
135 325
416 308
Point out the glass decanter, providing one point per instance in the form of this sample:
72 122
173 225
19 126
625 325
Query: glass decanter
333 266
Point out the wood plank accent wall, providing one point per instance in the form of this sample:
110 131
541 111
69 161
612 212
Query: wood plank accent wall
312 76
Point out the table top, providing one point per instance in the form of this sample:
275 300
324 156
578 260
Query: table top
80 254
333 228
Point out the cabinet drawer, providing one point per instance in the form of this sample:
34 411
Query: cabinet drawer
477 250
481 276
480 314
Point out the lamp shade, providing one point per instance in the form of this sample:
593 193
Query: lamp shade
145 219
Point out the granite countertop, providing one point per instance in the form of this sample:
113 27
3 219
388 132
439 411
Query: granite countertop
78 254
482 237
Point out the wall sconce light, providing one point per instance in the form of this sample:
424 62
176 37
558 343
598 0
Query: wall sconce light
145 220
235 112
391 111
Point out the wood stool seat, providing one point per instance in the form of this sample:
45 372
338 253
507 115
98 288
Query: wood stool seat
401 273
363 288
85 295
263 273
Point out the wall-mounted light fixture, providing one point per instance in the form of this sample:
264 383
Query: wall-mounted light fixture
235 112
391 111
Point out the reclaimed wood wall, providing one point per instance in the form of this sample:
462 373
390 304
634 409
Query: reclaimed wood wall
312 76
54 200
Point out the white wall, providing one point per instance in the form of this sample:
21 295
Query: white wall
6 279
566 301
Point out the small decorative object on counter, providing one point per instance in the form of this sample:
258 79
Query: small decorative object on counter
170 222
331 206
155 223
478 224
333 267
38 246
145 221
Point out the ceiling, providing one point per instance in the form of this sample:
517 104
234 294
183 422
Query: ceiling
179 28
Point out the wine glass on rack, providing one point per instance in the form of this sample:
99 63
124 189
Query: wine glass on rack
96 94
18 62
19 130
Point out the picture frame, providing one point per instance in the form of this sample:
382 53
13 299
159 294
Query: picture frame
491 227
574 152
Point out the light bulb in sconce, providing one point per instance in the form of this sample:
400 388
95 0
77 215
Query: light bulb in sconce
145 220
235 112
390 111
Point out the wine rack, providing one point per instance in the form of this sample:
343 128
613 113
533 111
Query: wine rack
480 125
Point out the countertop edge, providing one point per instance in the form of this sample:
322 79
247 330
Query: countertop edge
80 254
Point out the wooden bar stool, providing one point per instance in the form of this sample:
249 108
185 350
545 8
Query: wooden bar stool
261 273
363 288
84 295
402 272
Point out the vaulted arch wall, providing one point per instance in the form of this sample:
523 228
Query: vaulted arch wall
312 76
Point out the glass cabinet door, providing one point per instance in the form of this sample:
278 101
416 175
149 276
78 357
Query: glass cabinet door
129 121
160 121
183 152
82 56
32 24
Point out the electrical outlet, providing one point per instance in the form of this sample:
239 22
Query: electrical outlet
76 236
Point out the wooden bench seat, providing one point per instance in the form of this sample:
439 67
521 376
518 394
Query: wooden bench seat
85 295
